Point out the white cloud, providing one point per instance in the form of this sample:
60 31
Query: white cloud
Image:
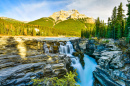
27 12
35 10
96 8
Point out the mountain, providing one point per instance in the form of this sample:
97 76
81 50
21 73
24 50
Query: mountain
11 20
65 23
71 14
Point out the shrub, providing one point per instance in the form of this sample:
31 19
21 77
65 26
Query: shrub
67 80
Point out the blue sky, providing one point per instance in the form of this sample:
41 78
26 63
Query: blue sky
28 10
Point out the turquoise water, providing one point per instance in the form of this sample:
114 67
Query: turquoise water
85 75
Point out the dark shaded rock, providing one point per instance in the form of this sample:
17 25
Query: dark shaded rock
11 82
60 72
29 74
39 74
92 41
22 84
19 75
48 70
81 57
128 83
22 80
6 73
104 78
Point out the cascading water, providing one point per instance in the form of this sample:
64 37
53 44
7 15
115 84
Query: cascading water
66 49
46 50
85 75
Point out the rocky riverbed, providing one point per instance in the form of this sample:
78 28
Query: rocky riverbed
24 58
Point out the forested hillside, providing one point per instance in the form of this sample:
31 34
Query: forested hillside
117 26
16 29
44 27
46 21
72 26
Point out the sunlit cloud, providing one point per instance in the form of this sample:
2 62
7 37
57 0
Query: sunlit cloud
26 11
96 8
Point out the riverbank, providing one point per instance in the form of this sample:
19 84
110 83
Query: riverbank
24 58
113 63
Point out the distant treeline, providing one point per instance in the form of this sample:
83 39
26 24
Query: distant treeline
16 28
117 27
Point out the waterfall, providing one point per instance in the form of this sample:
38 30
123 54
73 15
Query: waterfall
66 49
46 50
85 75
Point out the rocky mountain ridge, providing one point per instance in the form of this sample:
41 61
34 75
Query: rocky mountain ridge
74 14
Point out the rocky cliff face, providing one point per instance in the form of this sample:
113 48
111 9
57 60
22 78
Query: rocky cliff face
74 14
23 59
113 65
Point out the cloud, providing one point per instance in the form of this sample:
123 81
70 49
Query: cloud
28 12
96 8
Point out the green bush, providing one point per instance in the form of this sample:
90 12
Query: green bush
67 80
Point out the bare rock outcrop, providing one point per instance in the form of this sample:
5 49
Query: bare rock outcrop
74 14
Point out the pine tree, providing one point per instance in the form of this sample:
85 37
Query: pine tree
120 18
114 19
109 28
118 32
127 22
98 27
34 32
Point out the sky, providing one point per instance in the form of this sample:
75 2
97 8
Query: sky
29 10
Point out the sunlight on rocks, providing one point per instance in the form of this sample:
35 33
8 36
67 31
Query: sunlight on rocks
21 47
3 41
50 58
